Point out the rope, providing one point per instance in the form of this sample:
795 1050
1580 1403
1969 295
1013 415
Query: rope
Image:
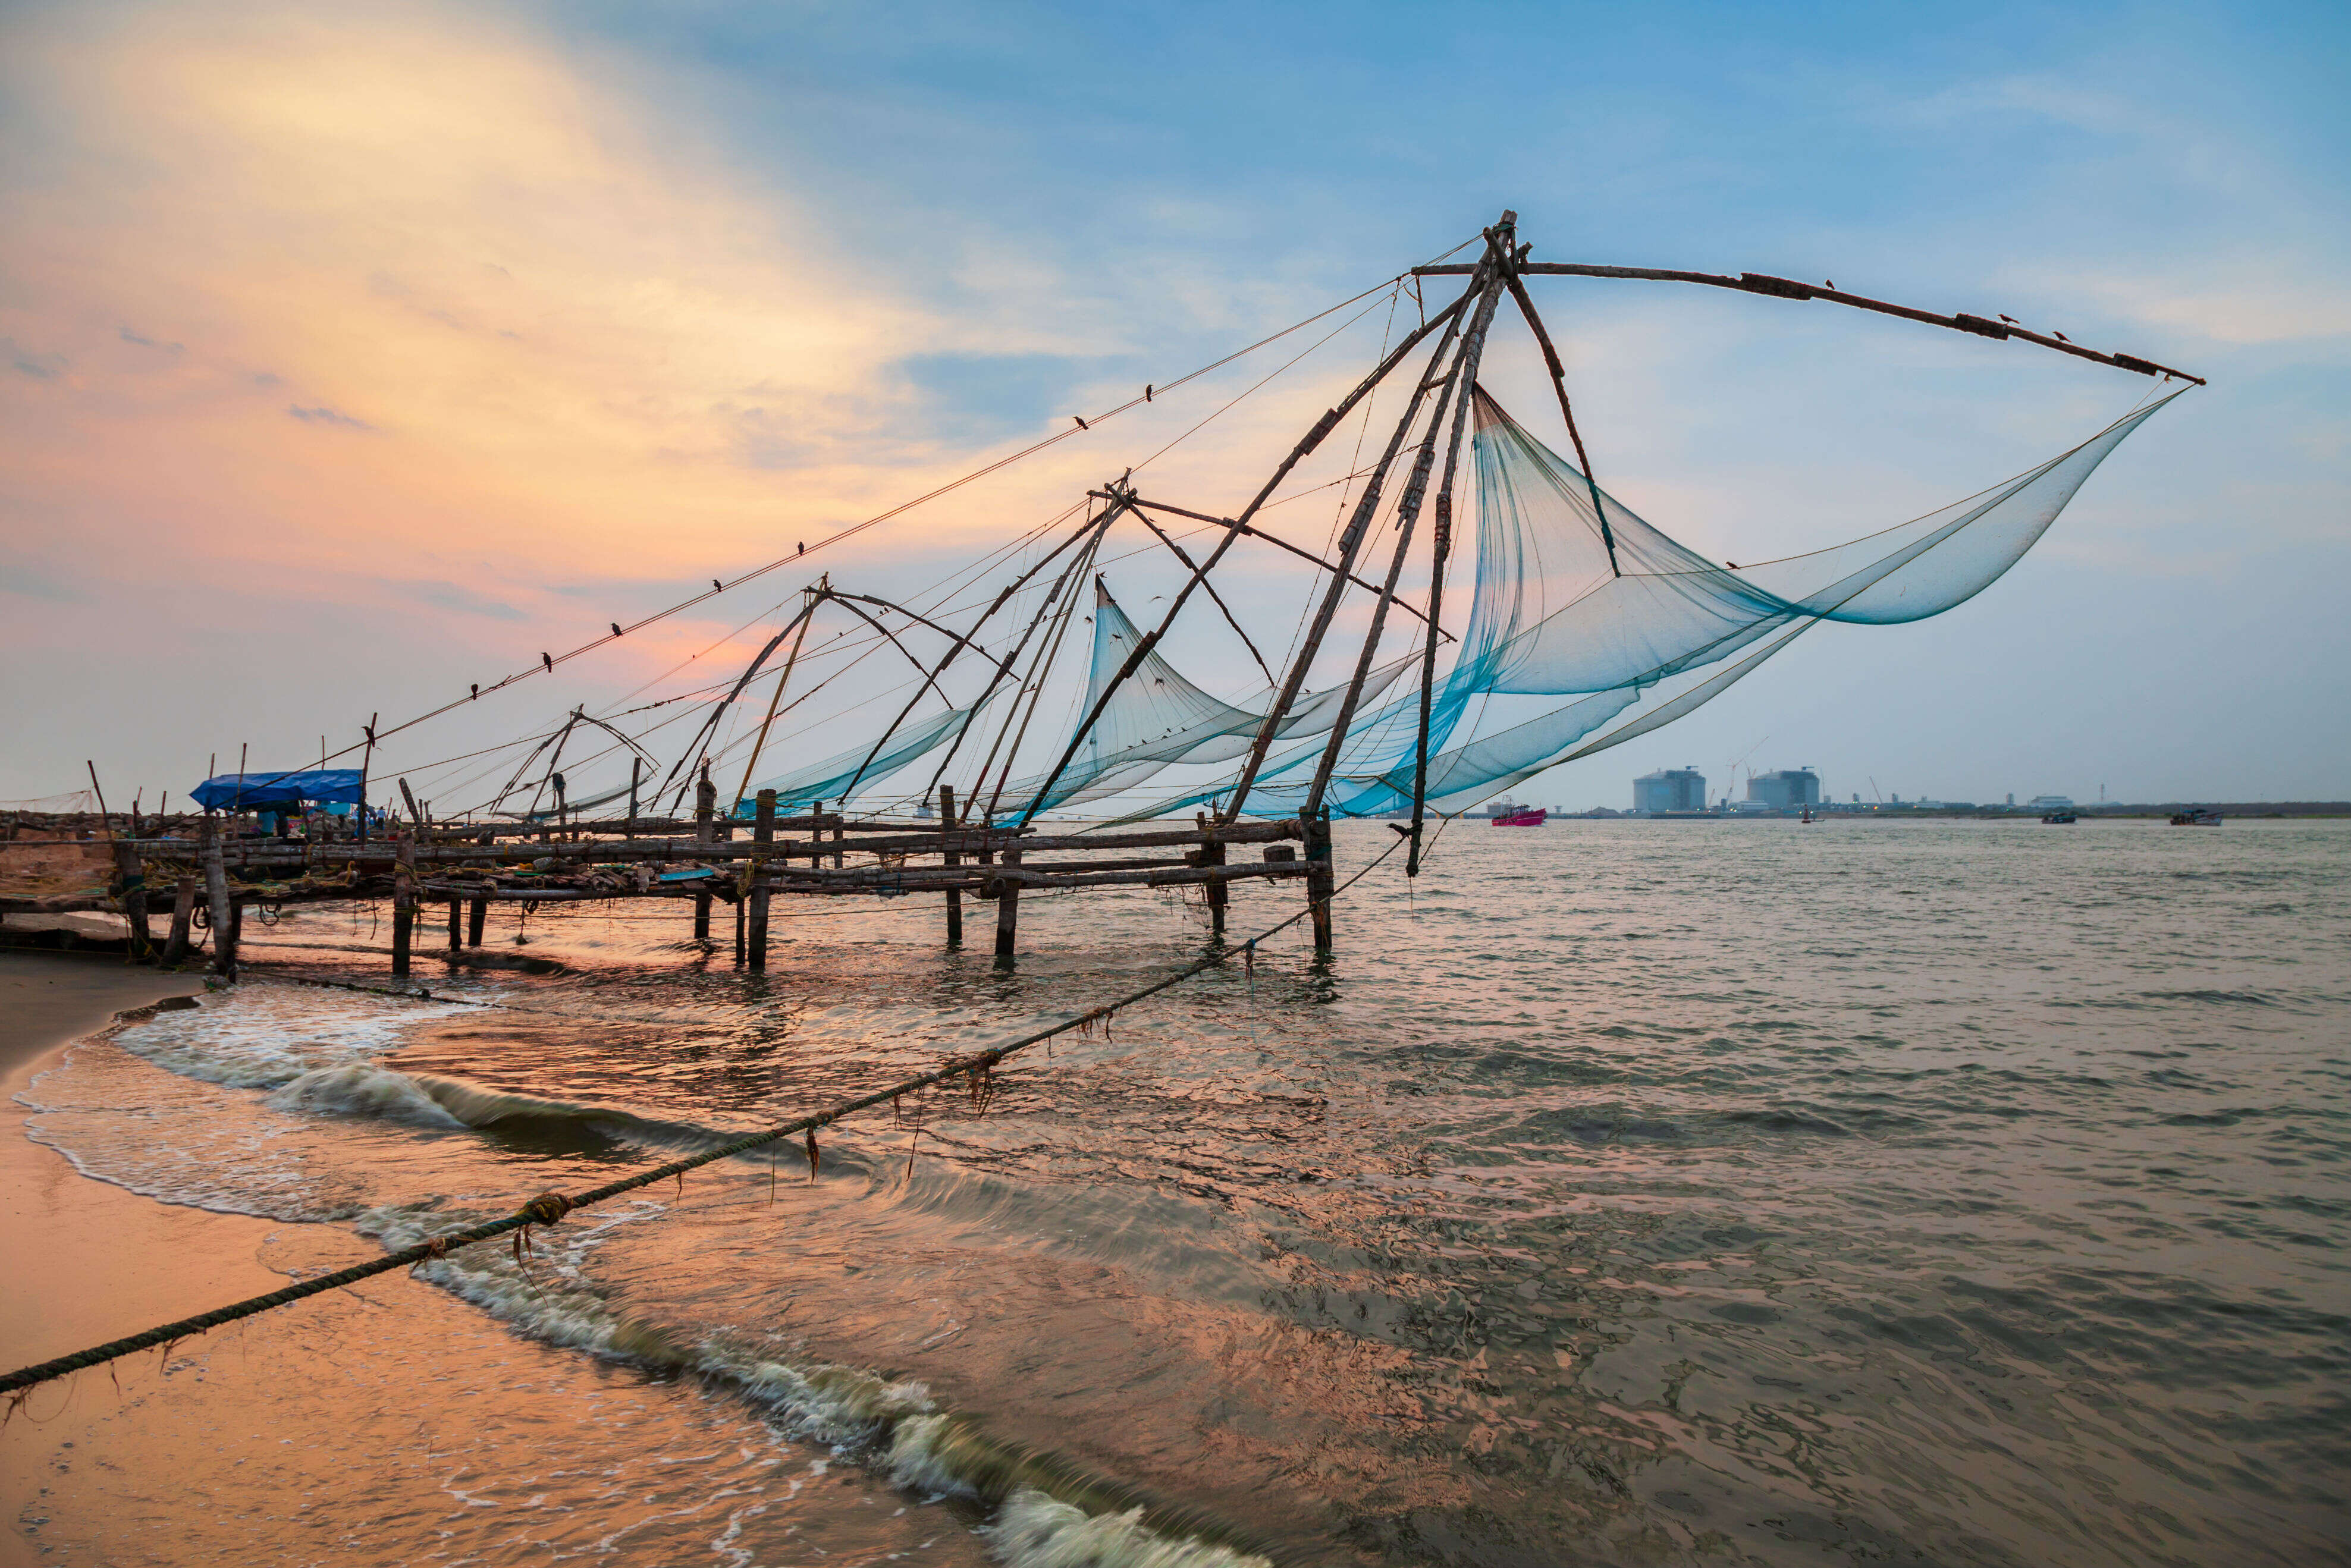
548 1208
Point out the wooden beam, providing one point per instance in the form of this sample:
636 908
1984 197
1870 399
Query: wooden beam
1789 288
1257 533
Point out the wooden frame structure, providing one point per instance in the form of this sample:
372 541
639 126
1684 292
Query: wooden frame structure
538 861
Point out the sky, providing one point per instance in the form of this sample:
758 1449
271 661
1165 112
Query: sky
351 357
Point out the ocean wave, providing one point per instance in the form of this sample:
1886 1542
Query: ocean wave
364 1090
1049 1512
266 1038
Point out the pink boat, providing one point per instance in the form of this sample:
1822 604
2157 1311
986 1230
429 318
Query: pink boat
1521 817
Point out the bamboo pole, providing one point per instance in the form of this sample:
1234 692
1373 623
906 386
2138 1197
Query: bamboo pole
1459 382
760 744
1314 438
1559 385
1039 670
1092 528
1351 544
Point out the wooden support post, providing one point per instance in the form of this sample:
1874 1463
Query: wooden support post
763 831
183 920
476 923
1319 877
954 895
131 883
217 901
1007 911
403 908
742 910
456 925
836 859
1219 893
706 804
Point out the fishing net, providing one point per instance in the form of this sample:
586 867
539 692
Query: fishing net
1557 613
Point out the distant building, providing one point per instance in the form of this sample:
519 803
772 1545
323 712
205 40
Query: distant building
1786 789
1673 789
2049 803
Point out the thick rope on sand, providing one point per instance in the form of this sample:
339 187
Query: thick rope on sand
548 1208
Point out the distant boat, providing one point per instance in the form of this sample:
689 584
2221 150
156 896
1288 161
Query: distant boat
2196 817
1520 816
2060 819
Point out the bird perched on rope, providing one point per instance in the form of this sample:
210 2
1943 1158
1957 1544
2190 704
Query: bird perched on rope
716 585
2059 336
477 692
1082 424
1829 282
2010 319
548 660
616 628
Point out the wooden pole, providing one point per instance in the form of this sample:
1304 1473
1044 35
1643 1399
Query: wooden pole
478 919
404 906
183 920
456 924
1460 384
705 802
763 833
636 763
1212 853
131 880
103 826
1314 438
837 857
1319 877
367 759
1351 544
1007 910
216 899
1559 385
954 895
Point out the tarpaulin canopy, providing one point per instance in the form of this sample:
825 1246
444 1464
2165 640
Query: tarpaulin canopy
261 790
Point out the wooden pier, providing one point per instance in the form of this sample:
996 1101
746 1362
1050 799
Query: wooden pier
462 869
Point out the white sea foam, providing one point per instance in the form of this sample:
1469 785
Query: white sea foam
1034 1530
363 1089
263 1037
896 1422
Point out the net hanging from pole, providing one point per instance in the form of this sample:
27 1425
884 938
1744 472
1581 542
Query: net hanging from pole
1550 618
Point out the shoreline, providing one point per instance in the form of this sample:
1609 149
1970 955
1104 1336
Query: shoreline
110 1262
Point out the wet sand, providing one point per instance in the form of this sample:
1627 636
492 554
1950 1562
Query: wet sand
91 1262
379 1423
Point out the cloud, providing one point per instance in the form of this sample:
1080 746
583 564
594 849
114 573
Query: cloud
550 304
2250 302
462 600
325 415
40 367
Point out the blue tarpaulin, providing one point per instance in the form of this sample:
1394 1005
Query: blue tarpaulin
259 791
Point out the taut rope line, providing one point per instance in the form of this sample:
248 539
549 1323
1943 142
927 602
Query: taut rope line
548 1208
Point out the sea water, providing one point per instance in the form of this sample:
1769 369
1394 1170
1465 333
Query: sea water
1942 1192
